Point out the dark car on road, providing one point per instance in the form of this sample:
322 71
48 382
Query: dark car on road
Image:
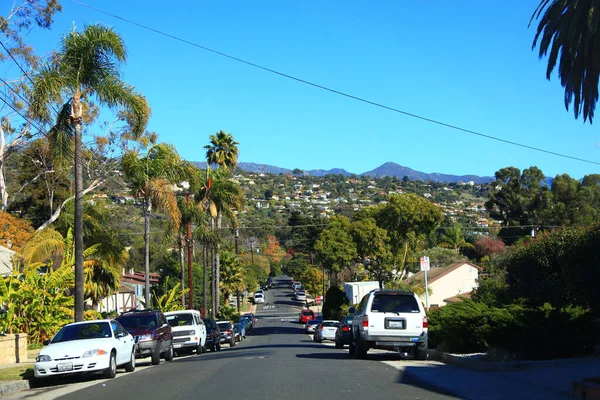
251 320
344 332
227 333
151 332
213 334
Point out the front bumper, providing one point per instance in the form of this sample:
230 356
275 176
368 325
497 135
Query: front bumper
146 348
73 366
184 342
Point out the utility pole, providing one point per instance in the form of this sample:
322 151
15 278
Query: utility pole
182 265
189 259
237 292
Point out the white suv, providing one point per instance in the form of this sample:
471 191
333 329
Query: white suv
189 331
390 320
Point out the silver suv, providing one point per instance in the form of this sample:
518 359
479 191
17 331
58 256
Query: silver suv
390 320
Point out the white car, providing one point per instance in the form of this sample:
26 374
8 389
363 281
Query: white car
88 346
300 296
189 332
259 298
326 330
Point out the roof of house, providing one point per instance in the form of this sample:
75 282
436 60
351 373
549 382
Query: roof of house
6 264
436 273
458 297
139 278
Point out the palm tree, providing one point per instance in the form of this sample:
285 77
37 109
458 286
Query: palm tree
152 178
222 151
571 28
85 67
232 274
454 239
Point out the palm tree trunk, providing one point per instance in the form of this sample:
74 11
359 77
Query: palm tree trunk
205 264
147 214
213 286
78 222
218 261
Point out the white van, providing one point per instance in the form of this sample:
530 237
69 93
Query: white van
189 332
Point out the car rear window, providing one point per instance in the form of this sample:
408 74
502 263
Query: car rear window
330 324
138 321
224 325
394 303
307 313
314 322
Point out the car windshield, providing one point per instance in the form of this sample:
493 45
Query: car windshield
331 324
394 303
93 330
138 321
224 325
258 295
307 313
180 319
314 322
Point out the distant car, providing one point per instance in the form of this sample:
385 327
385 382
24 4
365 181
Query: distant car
343 335
326 330
311 325
260 291
296 285
89 346
300 296
259 298
252 319
189 332
240 331
152 332
227 333
306 315
245 325
213 334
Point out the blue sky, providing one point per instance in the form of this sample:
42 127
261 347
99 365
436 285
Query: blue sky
465 63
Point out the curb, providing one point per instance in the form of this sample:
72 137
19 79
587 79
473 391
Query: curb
499 366
11 387
432 383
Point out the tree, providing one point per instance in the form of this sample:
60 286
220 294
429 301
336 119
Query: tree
453 238
86 66
152 178
568 30
232 275
222 150
487 246
14 232
372 248
335 247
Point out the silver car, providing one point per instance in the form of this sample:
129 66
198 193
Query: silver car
326 330
301 296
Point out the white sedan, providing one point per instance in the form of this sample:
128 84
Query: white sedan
326 330
89 346
259 298
301 296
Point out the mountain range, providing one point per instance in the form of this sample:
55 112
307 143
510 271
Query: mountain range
388 169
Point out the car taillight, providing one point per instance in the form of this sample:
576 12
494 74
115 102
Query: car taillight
229 332
425 323
345 328
365 321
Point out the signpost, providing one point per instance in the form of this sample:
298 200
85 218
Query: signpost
425 267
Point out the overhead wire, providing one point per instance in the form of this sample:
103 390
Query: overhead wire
335 91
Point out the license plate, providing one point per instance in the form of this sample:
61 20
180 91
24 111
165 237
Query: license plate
176 346
395 324
63 367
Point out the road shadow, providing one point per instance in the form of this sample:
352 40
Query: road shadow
409 376
324 356
275 330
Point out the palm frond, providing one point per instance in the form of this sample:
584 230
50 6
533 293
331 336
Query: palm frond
42 246
161 193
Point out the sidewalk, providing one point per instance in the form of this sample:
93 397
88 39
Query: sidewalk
544 380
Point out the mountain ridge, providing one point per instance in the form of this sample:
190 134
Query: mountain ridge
390 169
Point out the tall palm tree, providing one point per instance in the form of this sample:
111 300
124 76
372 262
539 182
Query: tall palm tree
453 238
152 178
232 274
222 150
571 28
85 67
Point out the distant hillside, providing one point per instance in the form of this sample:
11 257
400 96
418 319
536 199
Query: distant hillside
393 169
387 169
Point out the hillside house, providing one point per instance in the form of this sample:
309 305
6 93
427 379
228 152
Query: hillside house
448 282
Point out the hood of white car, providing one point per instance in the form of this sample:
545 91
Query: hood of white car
75 348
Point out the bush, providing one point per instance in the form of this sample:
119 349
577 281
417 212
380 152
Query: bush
228 312
336 304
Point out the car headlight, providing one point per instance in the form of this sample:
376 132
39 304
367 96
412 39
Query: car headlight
145 337
94 352
191 332
43 358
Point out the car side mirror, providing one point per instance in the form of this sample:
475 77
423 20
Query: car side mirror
164 325
352 310
46 342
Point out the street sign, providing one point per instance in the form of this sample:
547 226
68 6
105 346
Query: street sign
318 299
425 263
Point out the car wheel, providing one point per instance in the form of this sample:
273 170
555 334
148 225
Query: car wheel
338 345
232 342
156 355
361 349
204 349
170 354
421 354
351 349
130 366
199 349
111 371
218 346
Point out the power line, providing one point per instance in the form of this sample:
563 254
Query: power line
338 92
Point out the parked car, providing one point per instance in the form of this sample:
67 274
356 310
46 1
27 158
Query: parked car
296 286
259 298
306 315
245 322
300 296
213 334
189 332
343 335
326 330
152 332
311 325
227 334
89 346
240 331
251 318
389 320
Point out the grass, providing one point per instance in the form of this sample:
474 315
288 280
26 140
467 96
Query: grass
16 373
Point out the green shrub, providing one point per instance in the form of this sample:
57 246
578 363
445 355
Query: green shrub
227 312
336 303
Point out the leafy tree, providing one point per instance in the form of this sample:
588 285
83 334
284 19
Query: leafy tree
85 66
438 257
489 246
14 232
169 300
453 238
372 248
568 31
222 150
335 247
232 275
151 178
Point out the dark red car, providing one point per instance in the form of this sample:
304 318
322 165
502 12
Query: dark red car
306 315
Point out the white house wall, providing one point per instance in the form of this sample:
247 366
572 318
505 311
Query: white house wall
461 280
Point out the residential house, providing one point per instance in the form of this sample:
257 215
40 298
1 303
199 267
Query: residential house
445 283
6 261
130 294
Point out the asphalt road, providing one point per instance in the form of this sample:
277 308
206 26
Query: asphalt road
276 361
